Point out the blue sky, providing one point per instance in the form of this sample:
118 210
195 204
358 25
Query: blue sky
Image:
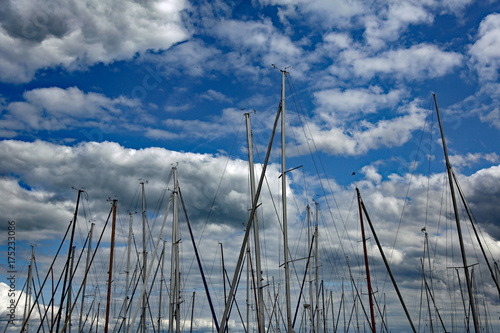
98 94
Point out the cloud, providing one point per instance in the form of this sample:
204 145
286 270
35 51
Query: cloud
54 109
472 158
259 38
484 55
359 136
38 176
329 13
74 35
392 20
350 103
414 63
212 95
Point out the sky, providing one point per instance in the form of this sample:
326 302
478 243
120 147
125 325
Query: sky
103 95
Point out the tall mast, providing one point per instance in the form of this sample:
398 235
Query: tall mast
174 272
162 279
68 306
144 260
127 274
316 270
85 281
239 262
63 292
110 273
370 296
283 199
260 292
311 308
459 228
27 303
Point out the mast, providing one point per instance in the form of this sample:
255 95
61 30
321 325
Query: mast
63 292
174 272
110 273
370 293
239 263
127 273
459 228
68 306
316 271
260 291
283 199
192 314
311 311
27 303
144 260
387 265
85 282
162 279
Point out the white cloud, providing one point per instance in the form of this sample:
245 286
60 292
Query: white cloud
329 13
351 103
484 54
371 173
107 169
391 22
35 34
55 109
357 137
415 63
213 95
261 39
472 158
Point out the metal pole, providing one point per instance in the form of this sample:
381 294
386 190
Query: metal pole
459 228
370 293
110 273
85 282
283 199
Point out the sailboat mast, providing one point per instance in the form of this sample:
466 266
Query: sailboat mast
175 274
85 282
63 292
459 228
283 199
144 260
316 270
370 293
27 303
311 308
68 306
260 292
127 274
162 279
110 273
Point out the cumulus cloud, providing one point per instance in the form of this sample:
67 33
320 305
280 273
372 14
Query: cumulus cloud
259 38
40 175
359 136
353 102
484 52
415 63
392 20
54 109
40 34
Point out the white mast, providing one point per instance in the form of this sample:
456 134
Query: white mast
283 199
260 293
459 229
144 260
316 268
127 274
174 272
311 308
